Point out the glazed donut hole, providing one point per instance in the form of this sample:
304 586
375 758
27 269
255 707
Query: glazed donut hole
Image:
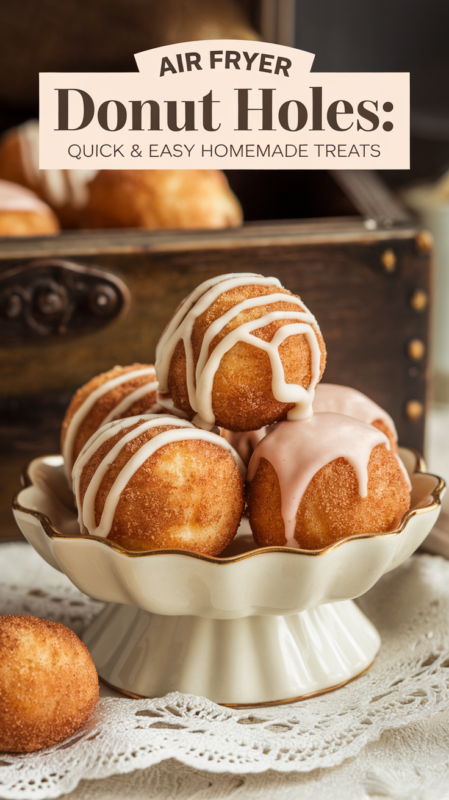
150 199
187 495
242 395
331 508
48 683
319 500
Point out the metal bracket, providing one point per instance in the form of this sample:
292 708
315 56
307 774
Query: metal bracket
50 299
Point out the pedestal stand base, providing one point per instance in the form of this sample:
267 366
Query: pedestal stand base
238 662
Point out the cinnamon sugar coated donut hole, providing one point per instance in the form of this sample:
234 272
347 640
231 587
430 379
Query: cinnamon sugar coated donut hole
157 199
119 393
218 365
303 493
48 683
160 483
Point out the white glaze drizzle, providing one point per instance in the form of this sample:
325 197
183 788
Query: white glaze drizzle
156 408
17 198
298 450
182 431
345 400
282 391
129 401
189 301
165 401
89 402
181 327
60 187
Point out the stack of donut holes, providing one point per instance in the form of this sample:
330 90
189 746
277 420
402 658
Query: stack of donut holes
162 457
233 413
144 198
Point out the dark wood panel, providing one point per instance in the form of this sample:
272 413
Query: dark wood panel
364 312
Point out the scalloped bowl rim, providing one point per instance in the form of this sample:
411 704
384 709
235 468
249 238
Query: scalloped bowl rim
53 533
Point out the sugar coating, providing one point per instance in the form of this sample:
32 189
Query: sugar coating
188 494
48 683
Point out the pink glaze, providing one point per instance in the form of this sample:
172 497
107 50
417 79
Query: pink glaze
16 198
244 442
299 449
344 400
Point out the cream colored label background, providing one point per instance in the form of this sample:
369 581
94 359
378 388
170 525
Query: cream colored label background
147 84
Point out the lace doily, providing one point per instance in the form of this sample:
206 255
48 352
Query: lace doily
408 682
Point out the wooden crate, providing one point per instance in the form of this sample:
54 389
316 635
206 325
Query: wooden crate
365 275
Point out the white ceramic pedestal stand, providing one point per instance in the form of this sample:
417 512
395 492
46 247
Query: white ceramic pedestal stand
236 662
253 627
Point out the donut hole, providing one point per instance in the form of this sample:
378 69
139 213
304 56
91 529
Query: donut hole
48 683
187 495
331 508
242 395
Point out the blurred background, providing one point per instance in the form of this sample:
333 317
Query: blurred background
353 36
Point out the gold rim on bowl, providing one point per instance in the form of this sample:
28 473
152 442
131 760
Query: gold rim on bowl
52 533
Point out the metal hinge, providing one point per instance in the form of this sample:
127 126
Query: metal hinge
50 298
